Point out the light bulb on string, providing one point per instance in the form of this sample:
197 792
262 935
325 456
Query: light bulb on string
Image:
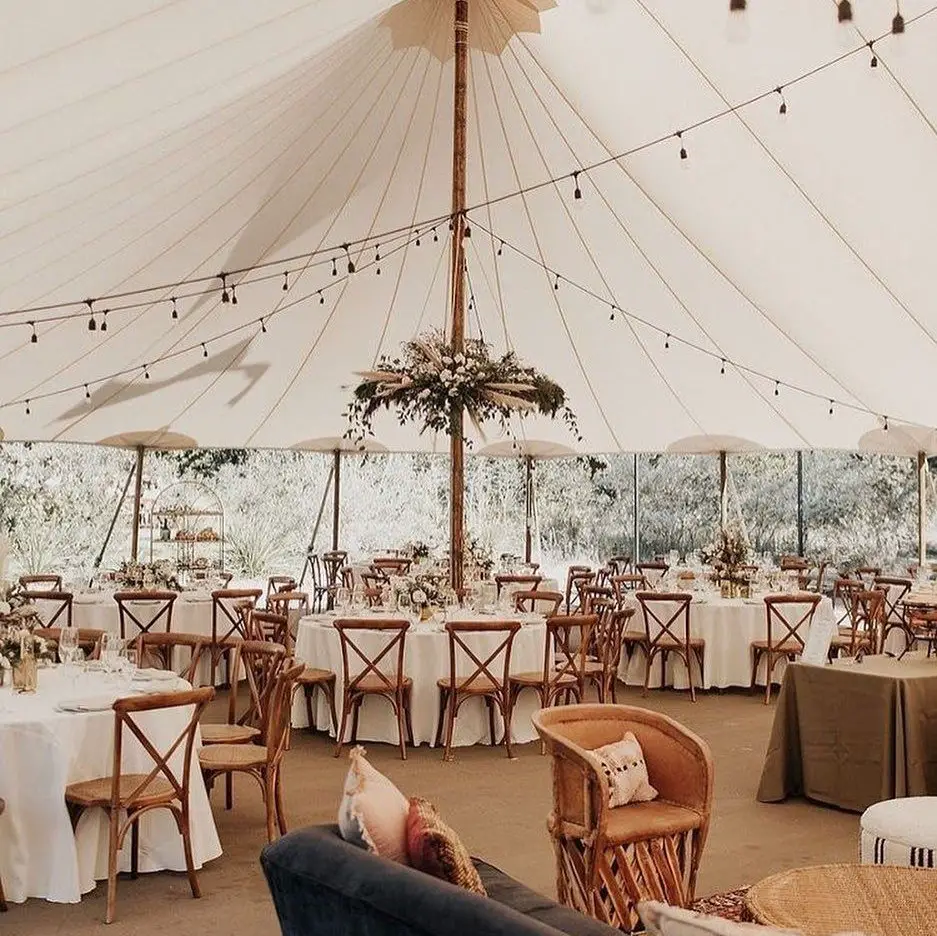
831 407
873 62
27 407
34 338
417 241
224 288
782 108
146 372
667 341
103 326
844 11
334 267
351 263
286 281
897 24
556 282
263 326
737 27
777 388
92 324
204 350
234 294
377 258
435 236
611 315
577 191
321 298
87 393
683 153
886 423
500 248
722 369
175 311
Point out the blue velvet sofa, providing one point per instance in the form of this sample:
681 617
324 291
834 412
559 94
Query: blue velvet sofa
323 885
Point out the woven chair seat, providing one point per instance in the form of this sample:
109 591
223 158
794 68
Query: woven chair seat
373 683
481 685
593 666
313 676
789 646
668 643
232 756
228 734
639 821
845 640
97 792
536 679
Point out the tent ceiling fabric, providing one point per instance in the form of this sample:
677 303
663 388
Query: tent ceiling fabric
339 444
148 142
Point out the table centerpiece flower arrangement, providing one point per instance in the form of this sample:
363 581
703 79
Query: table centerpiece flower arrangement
417 550
478 557
728 555
431 381
16 610
158 574
423 591
20 652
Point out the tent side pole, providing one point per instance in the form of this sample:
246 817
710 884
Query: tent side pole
801 532
110 530
137 496
528 504
921 508
637 523
723 490
311 548
336 494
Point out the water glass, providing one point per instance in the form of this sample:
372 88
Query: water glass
68 644
342 599
112 646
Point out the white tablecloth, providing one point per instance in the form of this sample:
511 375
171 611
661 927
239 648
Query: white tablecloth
191 613
426 659
42 751
728 625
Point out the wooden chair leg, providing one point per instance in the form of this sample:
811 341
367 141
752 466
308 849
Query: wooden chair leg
307 692
228 790
134 850
769 671
281 812
112 820
3 902
408 712
270 802
491 719
450 724
355 712
340 737
398 711
507 727
441 720
329 690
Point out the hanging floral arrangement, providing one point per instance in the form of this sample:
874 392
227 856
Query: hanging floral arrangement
431 380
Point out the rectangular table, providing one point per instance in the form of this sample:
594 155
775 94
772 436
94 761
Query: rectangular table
851 735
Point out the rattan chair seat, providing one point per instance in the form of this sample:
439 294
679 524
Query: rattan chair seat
536 679
232 756
311 676
228 734
481 685
97 792
789 646
373 683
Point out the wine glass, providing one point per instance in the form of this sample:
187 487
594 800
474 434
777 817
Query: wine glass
112 645
68 644
342 599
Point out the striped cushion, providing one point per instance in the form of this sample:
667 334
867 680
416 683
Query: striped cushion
434 847
900 832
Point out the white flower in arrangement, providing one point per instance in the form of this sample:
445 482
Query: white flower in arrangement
4 662
460 358
5 607
445 375
419 596
447 360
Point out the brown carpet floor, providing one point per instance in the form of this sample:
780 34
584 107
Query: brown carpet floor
498 806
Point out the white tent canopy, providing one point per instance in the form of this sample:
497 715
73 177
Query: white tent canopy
147 142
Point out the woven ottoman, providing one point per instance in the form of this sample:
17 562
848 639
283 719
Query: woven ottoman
900 832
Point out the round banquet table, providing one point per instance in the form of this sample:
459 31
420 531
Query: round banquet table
729 626
191 612
426 659
45 749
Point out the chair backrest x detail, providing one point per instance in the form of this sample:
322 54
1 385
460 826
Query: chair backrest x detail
787 616
494 666
358 665
130 605
666 618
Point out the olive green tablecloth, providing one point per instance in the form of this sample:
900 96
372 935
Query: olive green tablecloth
853 735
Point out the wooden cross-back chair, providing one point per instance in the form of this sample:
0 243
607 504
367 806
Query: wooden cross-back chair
332 564
388 566
792 563
589 594
894 589
865 616
868 573
843 591
784 634
55 603
127 797
627 583
566 643
260 761
286 602
653 572
488 676
374 580
619 565
667 631
229 621
348 578
129 604
89 639
279 583
608 641
41 582
363 674
525 582
922 622
157 651
546 603
574 574
319 587
274 628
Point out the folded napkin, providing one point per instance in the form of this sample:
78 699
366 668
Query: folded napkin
88 704
154 675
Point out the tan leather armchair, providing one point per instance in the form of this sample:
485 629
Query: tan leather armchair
610 859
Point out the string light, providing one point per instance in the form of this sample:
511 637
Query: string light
27 407
92 324
844 11
87 393
204 350
683 152
897 24
886 423
286 281
146 371
34 338
351 263
334 268
466 231
224 289
500 248
556 282
263 326
611 316
417 241
435 236
722 369
831 407
377 258
104 320
234 294
736 6
577 191
321 298
667 341
874 62
783 108
175 311
777 388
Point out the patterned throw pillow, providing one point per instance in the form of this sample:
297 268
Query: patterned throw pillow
624 767
433 847
373 813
